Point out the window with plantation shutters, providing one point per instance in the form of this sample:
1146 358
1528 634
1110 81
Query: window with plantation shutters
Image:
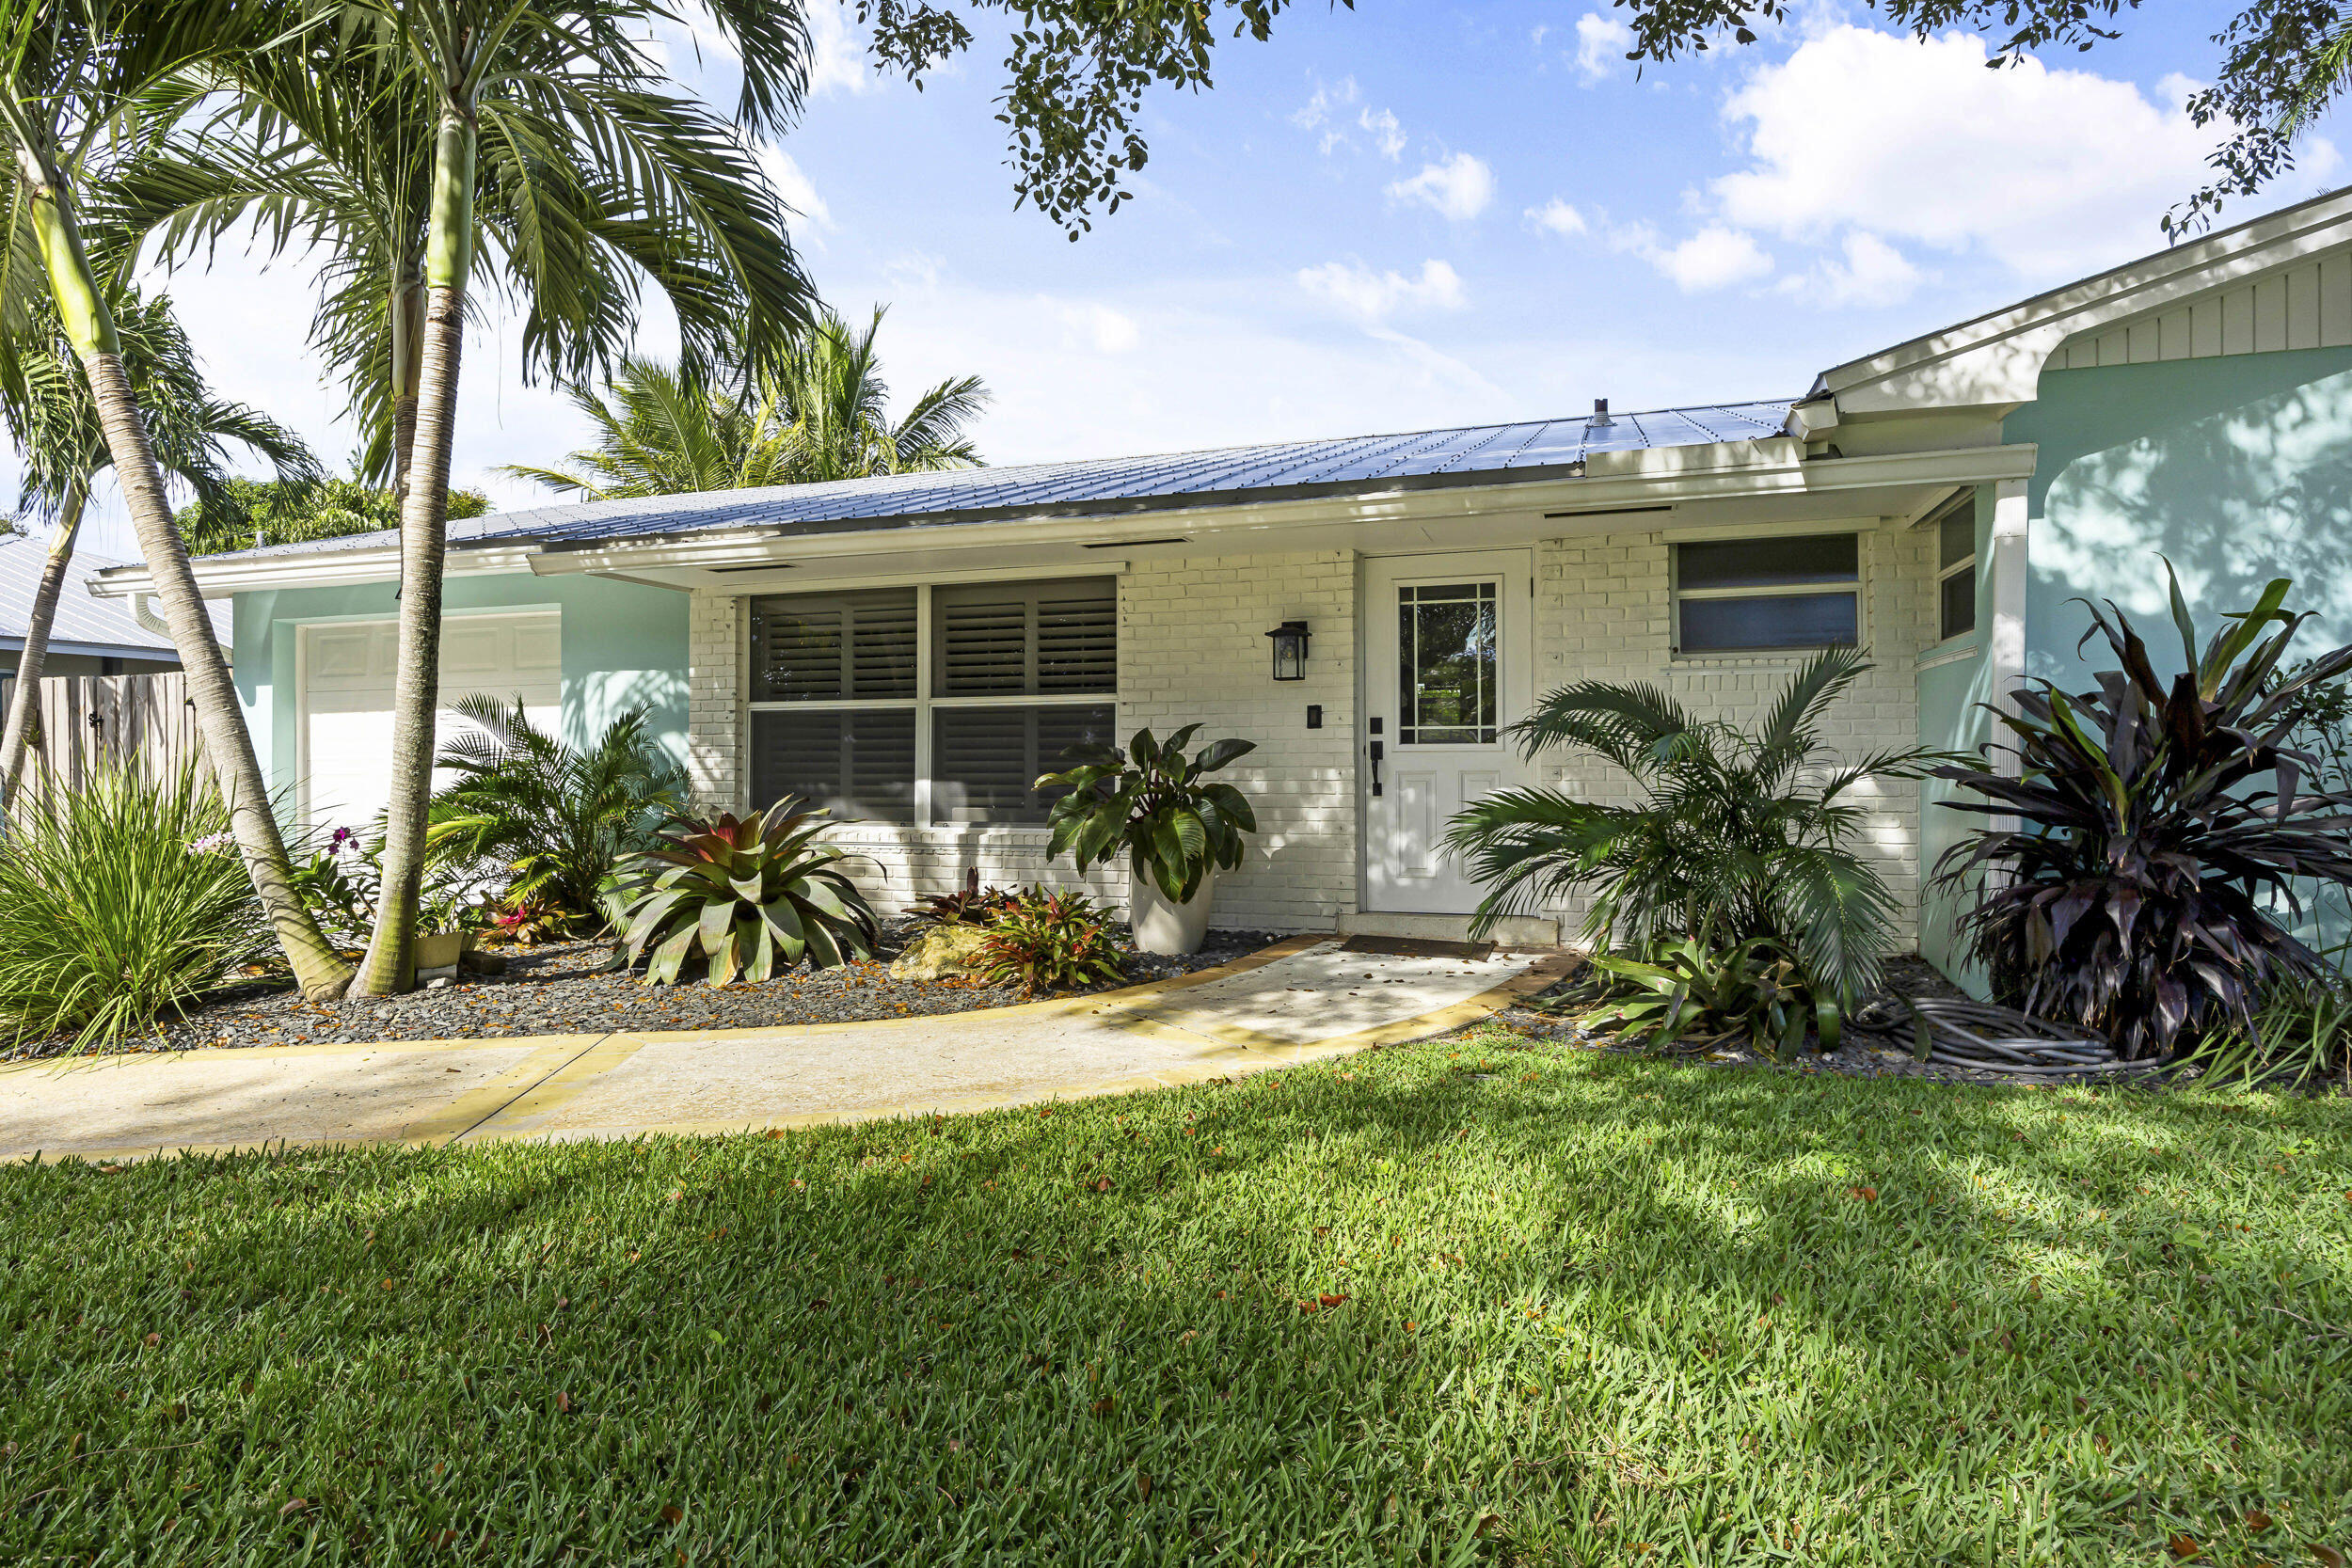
930 706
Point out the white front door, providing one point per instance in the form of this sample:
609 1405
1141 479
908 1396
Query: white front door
343 745
1449 663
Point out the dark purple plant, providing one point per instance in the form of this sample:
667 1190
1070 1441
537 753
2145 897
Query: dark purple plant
2159 830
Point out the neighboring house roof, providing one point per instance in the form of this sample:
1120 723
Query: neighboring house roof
83 624
1276 471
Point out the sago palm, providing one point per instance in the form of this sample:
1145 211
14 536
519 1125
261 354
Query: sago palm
558 820
46 403
70 74
1735 831
823 413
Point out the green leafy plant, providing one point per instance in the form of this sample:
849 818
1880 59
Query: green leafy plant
120 900
344 878
745 892
2300 1037
1058 941
558 819
969 905
1686 990
1735 833
2159 835
1158 804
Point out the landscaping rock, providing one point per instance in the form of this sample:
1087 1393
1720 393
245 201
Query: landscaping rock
941 952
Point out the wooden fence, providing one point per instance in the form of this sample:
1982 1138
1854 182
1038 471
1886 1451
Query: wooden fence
91 722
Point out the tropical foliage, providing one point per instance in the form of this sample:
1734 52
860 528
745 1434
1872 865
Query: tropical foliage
1750 991
821 413
2159 835
120 900
1735 833
969 905
1051 940
244 513
747 894
1175 822
557 820
343 883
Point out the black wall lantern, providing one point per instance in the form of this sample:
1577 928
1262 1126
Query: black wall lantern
1290 651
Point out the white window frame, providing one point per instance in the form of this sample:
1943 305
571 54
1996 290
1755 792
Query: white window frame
1676 593
1965 505
924 702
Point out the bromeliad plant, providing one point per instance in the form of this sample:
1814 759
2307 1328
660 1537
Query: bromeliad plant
1045 942
1159 805
1736 833
970 905
2160 829
1686 990
746 892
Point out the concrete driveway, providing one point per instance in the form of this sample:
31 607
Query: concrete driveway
1298 1001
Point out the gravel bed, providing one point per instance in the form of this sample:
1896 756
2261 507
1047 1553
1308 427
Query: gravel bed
565 989
1855 1057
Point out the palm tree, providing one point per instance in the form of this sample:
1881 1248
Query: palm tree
67 72
532 142
1736 832
47 406
823 414
558 819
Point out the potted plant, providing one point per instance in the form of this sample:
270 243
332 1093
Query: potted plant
1179 828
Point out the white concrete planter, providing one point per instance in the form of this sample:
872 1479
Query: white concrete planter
1161 927
439 949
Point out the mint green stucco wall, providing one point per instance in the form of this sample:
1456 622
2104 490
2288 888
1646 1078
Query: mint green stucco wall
2239 470
624 646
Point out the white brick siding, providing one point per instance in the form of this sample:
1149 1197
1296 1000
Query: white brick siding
1192 648
1602 612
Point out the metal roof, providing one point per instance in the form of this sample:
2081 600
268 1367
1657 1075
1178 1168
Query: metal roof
82 620
1230 475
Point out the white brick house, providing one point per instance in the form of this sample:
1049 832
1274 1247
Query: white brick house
913 649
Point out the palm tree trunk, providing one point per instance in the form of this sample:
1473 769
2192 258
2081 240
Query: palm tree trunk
390 963
407 305
17 734
228 747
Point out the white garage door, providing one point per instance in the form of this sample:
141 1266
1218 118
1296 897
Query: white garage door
346 725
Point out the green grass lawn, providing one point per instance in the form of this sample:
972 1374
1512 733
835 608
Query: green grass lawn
1576 1311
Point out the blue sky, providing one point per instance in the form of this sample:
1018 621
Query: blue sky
1402 217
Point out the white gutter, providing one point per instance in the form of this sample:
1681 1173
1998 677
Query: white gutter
219 576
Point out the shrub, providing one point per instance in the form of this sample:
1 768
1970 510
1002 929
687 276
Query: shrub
559 820
970 905
120 901
1750 990
2160 828
1051 942
1726 842
1156 804
744 893
344 878
2300 1037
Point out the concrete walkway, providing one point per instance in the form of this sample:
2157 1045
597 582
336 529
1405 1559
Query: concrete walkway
1296 1001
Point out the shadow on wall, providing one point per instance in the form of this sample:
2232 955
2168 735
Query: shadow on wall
595 699
2238 470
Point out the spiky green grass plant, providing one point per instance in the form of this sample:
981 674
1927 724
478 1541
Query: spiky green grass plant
1479 1301
119 900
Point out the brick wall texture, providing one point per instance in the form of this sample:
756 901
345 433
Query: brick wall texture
1192 648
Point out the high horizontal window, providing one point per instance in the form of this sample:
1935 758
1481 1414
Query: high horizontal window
931 705
1761 596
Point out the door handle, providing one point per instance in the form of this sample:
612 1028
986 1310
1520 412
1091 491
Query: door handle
1378 752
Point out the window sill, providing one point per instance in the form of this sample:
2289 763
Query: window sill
1954 650
939 832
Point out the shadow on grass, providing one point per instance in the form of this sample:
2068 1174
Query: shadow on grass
1576 1309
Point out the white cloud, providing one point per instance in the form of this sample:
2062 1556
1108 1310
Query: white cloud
1329 95
1110 331
1601 45
1360 291
1714 257
1386 132
2053 173
1458 188
1871 273
1558 217
837 60
798 190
